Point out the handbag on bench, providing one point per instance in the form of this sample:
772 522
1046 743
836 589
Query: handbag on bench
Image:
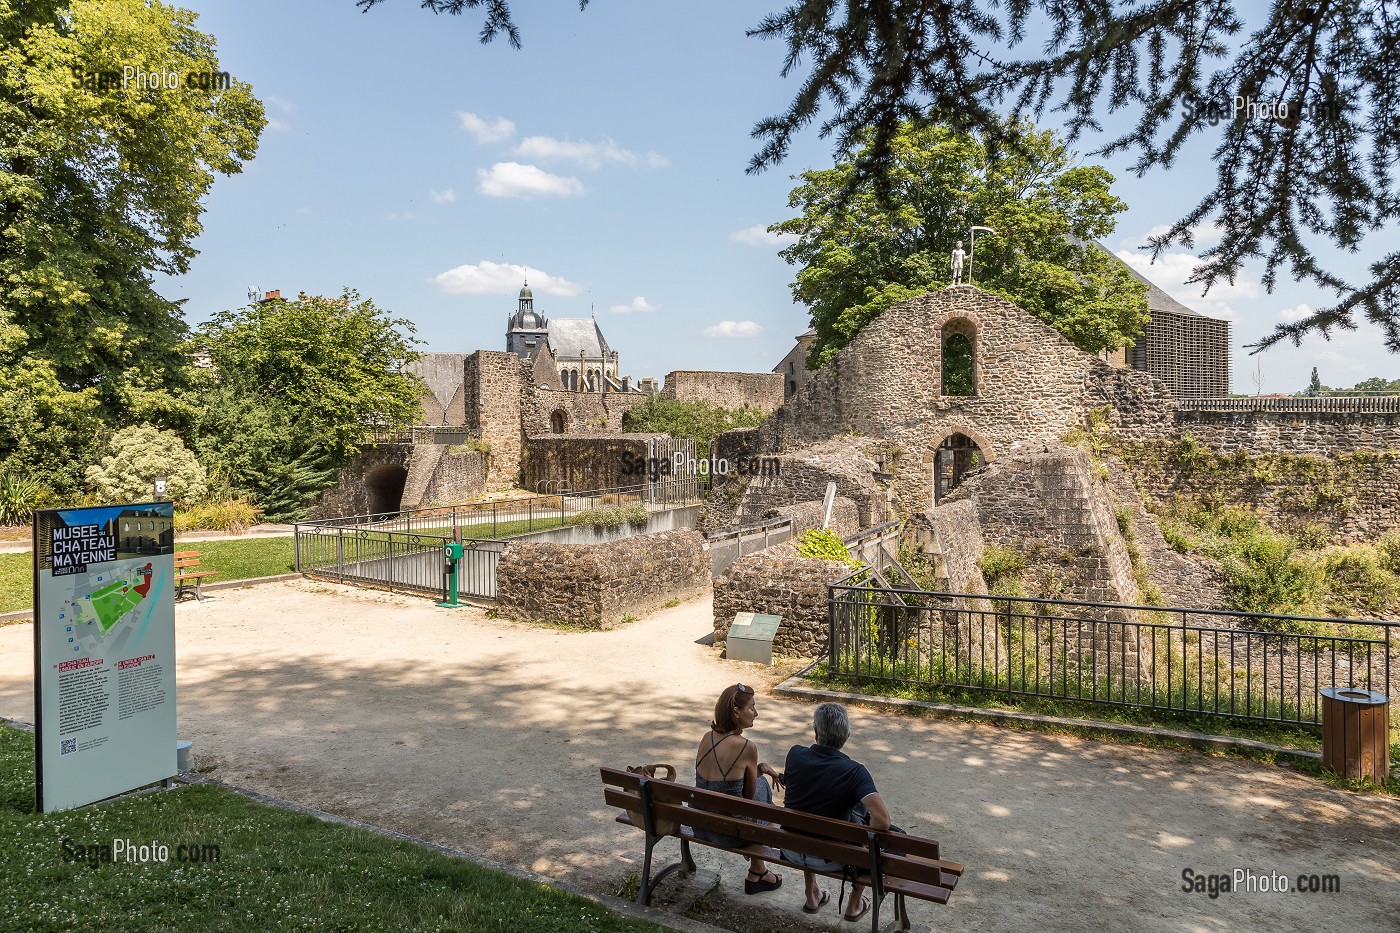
663 827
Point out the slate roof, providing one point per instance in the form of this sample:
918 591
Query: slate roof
1157 300
570 337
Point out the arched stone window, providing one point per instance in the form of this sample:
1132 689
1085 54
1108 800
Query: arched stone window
557 421
564 378
959 358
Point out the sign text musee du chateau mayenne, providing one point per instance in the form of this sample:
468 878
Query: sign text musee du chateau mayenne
104 651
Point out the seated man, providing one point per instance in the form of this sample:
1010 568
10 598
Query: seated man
820 779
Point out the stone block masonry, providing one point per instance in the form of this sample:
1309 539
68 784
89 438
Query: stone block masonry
779 582
604 461
493 381
763 391
597 586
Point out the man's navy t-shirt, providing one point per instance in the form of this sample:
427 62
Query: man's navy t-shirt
824 781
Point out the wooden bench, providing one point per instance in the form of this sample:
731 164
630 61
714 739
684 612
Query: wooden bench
886 862
187 571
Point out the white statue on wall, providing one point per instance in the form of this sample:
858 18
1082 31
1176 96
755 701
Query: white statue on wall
958 256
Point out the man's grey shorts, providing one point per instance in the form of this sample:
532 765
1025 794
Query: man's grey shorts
812 862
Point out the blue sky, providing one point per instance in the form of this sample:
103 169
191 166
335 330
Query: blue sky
407 161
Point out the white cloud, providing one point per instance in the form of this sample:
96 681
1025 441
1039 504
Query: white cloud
638 304
446 196
513 180
758 235
285 106
503 278
401 215
733 329
277 125
495 131
1293 315
1172 269
1205 235
589 155
303 210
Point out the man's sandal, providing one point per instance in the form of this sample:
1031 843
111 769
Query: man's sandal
759 886
864 909
820 904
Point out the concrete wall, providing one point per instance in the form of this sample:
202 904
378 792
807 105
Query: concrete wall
763 391
444 375
598 585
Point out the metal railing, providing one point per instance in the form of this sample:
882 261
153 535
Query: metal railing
399 561
392 550
1337 403
729 544
1237 665
421 434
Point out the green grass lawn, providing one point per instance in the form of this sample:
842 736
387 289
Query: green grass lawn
236 559
276 870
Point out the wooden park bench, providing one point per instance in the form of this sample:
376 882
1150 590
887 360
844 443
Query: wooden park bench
886 862
187 572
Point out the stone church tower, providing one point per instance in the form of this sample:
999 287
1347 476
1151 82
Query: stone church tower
526 330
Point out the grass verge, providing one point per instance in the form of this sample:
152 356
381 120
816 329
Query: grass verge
1304 739
276 870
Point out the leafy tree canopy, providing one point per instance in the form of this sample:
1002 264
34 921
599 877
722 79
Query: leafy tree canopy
101 185
291 389
697 420
858 253
1290 191
136 456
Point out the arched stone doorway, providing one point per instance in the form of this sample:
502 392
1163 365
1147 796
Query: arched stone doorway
384 489
558 422
956 455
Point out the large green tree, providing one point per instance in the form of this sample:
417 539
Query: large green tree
102 177
292 388
859 252
1290 191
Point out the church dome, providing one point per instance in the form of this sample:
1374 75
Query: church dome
528 320
526 293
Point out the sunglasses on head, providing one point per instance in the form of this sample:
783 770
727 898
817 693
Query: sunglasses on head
740 688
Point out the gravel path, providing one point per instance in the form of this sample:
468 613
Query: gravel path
486 736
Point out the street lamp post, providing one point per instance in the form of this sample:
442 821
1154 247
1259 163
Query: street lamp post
972 249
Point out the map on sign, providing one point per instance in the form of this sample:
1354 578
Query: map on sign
107 610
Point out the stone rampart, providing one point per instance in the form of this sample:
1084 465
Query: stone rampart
763 391
597 586
599 462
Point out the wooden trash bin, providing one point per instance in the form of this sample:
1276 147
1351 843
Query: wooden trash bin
1356 733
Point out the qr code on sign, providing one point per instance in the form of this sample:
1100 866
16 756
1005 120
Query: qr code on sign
67 746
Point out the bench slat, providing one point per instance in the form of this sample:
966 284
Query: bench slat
762 841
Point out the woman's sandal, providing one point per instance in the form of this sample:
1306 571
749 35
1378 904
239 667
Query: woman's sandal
759 886
820 904
864 909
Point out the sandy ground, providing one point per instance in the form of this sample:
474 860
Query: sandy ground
487 735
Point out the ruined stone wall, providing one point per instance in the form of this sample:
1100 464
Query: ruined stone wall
1032 384
601 462
1313 432
599 585
1050 507
777 582
350 495
494 382
802 475
845 517
458 477
763 391
584 412
952 534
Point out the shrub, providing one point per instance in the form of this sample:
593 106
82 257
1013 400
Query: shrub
1388 551
822 543
1262 575
1358 581
471 445
19 497
137 455
1001 567
613 516
228 515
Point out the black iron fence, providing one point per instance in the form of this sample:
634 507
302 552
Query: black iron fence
1243 666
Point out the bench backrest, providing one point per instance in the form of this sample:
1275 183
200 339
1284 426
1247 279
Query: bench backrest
840 841
185 559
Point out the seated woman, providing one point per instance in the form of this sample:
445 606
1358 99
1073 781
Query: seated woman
728 763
